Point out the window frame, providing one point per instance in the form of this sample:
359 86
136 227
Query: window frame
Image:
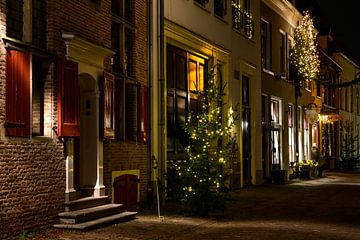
266 43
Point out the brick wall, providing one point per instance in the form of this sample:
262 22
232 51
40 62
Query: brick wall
32 185
32 171
84 18
119 156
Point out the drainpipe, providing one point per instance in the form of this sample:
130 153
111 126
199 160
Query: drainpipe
149 190
161 98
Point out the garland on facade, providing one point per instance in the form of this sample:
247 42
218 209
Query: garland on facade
202 177
304 56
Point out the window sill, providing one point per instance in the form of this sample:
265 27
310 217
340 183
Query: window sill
240 32
268 71
222 19
42 138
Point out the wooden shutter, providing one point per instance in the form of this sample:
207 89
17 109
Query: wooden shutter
107 105
143 104
68 98
17 93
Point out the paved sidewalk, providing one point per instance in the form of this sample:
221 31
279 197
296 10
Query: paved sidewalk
325 208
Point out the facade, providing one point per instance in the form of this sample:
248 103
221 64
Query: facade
74 112
188 51
349 109
285 129
326 133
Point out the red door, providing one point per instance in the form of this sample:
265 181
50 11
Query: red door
125 191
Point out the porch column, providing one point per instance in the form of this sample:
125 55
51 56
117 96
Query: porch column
69 189
99 189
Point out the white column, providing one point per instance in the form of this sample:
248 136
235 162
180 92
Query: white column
69 190
99 189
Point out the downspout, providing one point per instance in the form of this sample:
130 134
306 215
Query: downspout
161 160
149 190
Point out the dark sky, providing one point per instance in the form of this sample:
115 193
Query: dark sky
342 17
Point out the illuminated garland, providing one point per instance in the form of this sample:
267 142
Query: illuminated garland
304 55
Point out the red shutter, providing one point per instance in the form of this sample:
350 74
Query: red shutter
143 103
17 93
107 115
68 98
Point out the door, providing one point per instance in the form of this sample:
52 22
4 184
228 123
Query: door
126 191
246 131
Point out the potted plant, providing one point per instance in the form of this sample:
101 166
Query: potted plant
306 168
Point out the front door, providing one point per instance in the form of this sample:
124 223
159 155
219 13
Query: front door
246 131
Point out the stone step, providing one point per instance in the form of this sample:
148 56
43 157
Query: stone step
86 202
120 217
88 214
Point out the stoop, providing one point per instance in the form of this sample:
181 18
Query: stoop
91 212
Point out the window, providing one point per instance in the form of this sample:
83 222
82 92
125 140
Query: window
122 32
265 45
129 110
290 116
14 19
306 137
220 8
299 115
283 54
39 23
275 111
25 69
242 17
185 76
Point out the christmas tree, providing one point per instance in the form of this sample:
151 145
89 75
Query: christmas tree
349 146
304 56
203 176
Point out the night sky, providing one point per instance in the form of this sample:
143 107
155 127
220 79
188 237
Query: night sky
342 17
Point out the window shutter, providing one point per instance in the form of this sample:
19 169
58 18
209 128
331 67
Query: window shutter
68 98
17 93
107 104
143 113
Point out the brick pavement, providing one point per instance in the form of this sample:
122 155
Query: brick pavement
325 208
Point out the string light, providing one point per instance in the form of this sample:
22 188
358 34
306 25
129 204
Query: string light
304 55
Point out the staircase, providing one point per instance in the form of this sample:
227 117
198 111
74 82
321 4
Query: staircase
91 212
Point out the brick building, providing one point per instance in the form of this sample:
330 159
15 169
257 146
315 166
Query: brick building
73 107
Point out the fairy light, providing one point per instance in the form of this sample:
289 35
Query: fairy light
304 55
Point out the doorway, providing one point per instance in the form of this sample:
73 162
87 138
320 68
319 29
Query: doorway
246 131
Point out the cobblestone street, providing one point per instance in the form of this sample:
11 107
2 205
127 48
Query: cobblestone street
325 208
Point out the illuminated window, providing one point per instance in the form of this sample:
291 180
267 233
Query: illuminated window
275 111
185 76
291 133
